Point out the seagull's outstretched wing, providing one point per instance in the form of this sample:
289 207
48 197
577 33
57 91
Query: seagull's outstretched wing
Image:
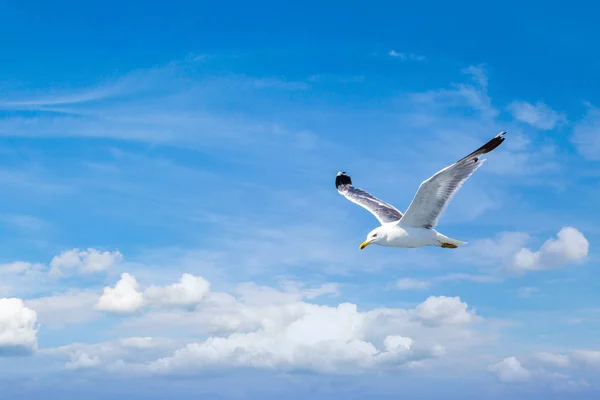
383 211
435 193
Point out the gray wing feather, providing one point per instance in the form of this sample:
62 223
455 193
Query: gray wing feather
435 193
383 211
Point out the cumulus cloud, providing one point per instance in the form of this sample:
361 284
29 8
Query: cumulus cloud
411 284
26 279
146 342
110 354
81 360
263 327
569 247
444 310
18 333
319 338
85 261
538 115
510 370
126 297
551 370
123 298
189 291
292 334
500 249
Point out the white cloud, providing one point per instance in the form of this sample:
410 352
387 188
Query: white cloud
19 277
18 333
72 307
126 297
393 343
459 276
189 291
472 96
538 115
159 105
444 310
550 370
85 261
294 289
265 328
570 247
25 222
81 360
108 355
587 357
528 291
586 134
123 298
479 74
507 251
26 279
139 342
405 56
18 267
557 360
410 284
305 336
510 370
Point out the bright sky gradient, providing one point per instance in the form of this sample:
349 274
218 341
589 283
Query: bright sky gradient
169 224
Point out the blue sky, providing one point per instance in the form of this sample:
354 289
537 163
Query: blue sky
169 223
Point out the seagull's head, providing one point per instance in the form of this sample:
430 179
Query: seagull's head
376 235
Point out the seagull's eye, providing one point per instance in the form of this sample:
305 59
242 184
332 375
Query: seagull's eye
374 235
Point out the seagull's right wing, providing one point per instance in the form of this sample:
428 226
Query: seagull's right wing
383 211
435 193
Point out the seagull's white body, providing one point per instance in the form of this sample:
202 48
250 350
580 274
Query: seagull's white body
395 235
415 227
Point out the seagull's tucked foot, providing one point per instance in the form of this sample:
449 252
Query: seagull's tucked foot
448 243
449 246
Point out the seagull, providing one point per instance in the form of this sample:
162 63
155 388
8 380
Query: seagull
414 228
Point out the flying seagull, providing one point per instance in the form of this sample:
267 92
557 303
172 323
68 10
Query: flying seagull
414 228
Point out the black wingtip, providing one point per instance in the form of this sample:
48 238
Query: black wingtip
495 142
489 146
342 179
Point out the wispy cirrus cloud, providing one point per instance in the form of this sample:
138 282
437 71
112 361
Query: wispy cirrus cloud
26 223
406 56
469 95
586 134
412 284
538 115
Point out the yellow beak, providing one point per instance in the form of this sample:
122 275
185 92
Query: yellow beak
364 244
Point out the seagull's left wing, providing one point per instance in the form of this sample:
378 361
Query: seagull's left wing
383 211
435 193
